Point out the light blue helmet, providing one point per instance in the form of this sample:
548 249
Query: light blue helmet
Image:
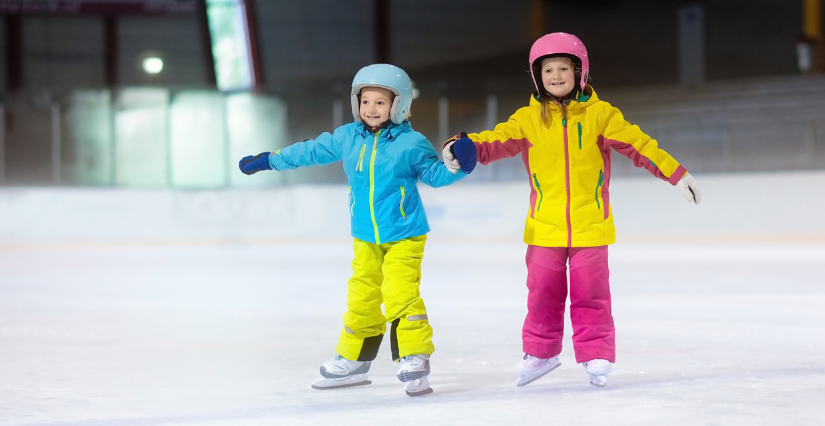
389 77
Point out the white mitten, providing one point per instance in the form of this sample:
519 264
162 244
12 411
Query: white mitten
687 186
449 159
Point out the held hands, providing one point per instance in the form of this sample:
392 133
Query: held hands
449 158
459 152
251 165
687 186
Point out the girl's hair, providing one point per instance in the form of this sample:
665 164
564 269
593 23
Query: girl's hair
546 98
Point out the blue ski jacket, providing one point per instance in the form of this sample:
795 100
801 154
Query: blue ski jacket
382 170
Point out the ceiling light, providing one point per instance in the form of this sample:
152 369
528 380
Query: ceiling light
153 65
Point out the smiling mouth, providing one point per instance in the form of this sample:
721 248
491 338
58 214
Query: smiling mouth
557 83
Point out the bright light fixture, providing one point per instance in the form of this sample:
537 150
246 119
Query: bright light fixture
153 65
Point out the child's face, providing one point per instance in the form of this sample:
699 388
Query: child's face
558 76
375 105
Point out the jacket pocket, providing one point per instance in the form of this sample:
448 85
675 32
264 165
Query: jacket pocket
401 204
360 166
583 141
351 203
541 194
599 189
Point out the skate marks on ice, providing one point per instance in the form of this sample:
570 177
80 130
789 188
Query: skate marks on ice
170 336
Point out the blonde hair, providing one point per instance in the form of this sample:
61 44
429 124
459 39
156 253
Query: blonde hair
547 99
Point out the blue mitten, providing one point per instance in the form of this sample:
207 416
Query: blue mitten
251 165
465 152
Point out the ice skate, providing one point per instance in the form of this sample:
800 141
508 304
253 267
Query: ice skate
418 387
340 372
413 371
598 370
532 368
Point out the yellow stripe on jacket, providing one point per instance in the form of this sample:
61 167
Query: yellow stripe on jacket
569 167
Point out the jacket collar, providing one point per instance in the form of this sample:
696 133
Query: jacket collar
581 100
389 131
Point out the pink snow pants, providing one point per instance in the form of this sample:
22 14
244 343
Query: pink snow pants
590 313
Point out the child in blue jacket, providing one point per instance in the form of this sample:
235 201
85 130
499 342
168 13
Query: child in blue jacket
383 159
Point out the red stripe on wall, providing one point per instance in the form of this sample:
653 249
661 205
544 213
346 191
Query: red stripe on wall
97 7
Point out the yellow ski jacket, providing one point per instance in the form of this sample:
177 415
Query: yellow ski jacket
568 164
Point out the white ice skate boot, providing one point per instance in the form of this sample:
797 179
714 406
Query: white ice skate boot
340 372
598 370
531 368
413 371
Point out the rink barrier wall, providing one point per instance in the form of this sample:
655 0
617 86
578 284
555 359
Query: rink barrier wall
773 206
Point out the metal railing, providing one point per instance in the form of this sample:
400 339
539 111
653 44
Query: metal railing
151 137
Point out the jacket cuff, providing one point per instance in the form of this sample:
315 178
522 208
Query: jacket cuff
276 162
677 175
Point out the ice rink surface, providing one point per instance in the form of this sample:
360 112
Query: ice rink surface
708 333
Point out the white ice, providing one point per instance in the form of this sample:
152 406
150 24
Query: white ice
234 335
709 332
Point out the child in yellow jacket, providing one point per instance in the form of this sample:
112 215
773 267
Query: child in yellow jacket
565 137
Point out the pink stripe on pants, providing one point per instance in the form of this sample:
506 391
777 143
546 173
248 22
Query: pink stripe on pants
590 313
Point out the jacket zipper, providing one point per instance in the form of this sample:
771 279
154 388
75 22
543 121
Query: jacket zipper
538 188
567 183
599 185
401 206
372 186
360 166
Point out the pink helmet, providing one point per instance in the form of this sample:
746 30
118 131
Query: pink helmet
559 44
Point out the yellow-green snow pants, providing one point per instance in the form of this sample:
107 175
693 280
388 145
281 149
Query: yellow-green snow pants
388 273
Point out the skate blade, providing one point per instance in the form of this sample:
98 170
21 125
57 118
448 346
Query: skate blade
418 387
421 392
523 382
599 383
346 382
